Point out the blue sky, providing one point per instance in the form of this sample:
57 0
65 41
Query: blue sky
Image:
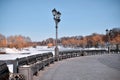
34 18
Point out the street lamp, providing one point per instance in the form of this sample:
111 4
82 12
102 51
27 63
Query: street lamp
56 18
108 34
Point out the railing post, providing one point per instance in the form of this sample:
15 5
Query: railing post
15 66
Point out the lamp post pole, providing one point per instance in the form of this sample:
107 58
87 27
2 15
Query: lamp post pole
56 44
56 18
108 33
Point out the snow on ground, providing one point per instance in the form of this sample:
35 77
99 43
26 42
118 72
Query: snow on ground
10 67
13 53
93 48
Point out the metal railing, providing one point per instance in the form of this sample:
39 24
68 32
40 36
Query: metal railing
47 58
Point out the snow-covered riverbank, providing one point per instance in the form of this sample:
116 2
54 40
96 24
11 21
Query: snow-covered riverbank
13 53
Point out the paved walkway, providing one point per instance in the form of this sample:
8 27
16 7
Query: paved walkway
98 67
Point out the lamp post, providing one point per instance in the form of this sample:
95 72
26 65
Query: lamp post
108 34
56 18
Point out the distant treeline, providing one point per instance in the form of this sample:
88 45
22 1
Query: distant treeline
93 40
16 41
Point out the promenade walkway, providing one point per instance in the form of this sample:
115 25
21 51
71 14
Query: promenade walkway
98 67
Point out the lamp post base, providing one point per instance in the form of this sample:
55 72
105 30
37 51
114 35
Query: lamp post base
108 50
56 54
